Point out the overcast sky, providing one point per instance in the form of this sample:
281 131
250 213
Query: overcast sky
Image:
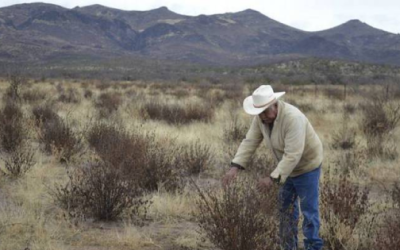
309 15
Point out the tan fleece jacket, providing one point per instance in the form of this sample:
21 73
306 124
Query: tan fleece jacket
293 142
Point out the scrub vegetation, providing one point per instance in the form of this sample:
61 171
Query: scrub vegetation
87 164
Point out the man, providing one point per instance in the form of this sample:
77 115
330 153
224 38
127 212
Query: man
298 152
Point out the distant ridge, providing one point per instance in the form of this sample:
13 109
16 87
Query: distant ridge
40 33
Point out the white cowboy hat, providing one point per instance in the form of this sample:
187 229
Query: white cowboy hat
260 100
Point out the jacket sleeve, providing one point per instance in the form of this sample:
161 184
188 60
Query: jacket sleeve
294 138
249 145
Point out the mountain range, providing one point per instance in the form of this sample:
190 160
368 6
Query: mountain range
43 33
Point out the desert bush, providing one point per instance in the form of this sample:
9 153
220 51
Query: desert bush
159 167
396 92
12 130
388 234
44 114
345 137
103 85
197 112
351 161
239 217
344 209
175 113
335 93
389 229
396 195
304 107
69 96
234 131
108 103
216 96
88 94
349 108
180 93
13 92
31 96
115 145
18 162
261 164
380 118
194 157
233 92
56 134
99 190
384 147
138 154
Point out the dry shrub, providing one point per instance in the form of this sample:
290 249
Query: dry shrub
31 96
56 134
99 190
194 157
44 114
12 130
180 93
282 88
114 144
335 93
384 147
345 207
69 96
389 230
103 85
234 131
261 164
349 108
345 137
388 235
304 107
13 92
138 154
239 217
18 162
177 114
216 96
396 195
88 94
233 92
396 92
380 118
108 103
351 161
159 167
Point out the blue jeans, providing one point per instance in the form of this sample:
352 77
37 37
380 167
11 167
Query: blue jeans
306 189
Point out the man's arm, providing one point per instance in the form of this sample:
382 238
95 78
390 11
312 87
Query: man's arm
244 152
248 146
295 137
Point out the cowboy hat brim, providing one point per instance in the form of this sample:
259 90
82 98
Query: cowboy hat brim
248 104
